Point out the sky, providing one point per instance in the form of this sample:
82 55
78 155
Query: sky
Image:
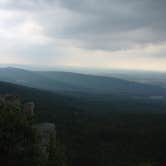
120 34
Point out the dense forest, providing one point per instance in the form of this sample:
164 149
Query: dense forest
117 131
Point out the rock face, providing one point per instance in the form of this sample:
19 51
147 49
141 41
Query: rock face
45 132
29 108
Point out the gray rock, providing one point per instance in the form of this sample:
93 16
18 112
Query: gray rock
44 132
28 108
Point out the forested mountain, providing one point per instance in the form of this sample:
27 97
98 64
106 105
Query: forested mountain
96 117
48 104
31 79
79 83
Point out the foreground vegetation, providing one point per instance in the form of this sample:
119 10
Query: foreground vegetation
19 142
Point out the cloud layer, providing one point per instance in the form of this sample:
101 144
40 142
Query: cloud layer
107 33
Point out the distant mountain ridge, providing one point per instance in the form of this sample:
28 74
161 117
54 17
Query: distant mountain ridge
30 78
81 83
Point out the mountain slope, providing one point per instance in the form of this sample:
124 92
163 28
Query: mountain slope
104 85
31 79
71 83
48 105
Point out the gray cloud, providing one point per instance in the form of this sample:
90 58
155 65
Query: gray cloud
117 24
96 24
106 24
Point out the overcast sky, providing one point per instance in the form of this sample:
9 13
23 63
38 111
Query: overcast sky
129 34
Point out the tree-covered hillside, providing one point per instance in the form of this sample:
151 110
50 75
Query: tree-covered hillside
66 82
102 131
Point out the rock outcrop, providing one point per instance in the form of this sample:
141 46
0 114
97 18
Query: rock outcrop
28 108
45 132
